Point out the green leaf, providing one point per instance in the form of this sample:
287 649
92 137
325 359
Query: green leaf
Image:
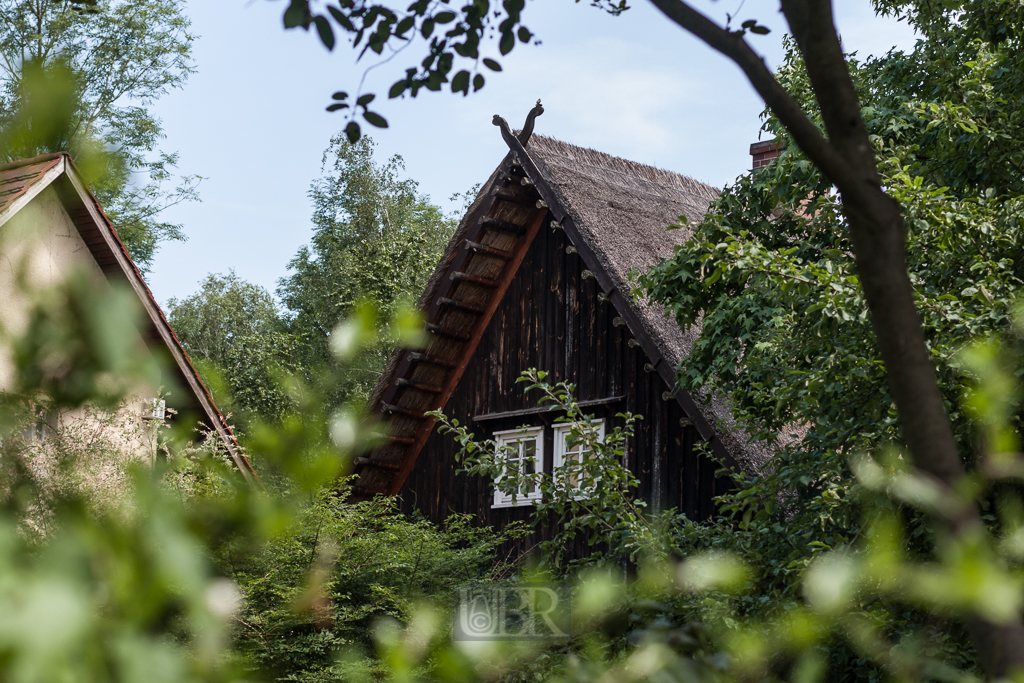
337 106
340 95
323 27
491 64
478 82
507 42
297 14
461 82
444 17
404 25
375 119
761 30
524 34
353 132
341 18
397 89
427 27
365 99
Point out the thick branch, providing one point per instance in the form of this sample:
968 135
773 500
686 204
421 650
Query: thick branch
786 109
876 223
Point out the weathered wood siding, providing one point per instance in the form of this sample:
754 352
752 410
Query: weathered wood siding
551 319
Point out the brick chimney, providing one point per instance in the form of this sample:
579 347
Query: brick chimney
765 152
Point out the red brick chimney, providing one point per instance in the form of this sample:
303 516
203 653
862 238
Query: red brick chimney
765 152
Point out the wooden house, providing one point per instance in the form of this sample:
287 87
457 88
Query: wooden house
537 276
50 225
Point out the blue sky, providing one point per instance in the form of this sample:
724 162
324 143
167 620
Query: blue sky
252 120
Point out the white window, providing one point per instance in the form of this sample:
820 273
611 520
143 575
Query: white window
525 456
573 450
154 409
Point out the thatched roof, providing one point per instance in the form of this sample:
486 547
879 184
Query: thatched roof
622 209
616 213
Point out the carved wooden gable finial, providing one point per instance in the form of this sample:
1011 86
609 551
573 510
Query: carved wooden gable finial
527 131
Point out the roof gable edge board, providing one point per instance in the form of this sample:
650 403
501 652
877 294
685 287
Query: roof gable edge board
445 284
34 189
469 351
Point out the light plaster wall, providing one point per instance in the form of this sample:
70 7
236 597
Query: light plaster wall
39 248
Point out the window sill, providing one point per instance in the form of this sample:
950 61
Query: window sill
525 502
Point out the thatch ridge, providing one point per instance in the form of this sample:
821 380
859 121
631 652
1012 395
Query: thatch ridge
619 171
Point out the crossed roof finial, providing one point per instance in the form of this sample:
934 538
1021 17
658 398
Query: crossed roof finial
526 132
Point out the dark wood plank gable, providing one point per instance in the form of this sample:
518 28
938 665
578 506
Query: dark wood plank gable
473 285
552 319
525 290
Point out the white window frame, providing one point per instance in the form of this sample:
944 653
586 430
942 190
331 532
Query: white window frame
562 432
516 437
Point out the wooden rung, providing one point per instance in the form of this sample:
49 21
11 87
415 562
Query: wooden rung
445 332
503 226
403 440
476 280
514 194
417 357
401 410
367 462
490 251
429 388
461 305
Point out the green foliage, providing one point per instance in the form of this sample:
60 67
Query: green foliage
77 76
233 331
453 37
131 591
368 562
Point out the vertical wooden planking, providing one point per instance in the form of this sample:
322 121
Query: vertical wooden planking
550 318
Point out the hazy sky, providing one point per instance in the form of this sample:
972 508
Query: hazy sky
252 120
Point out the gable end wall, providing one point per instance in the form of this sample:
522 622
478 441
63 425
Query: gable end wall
551 319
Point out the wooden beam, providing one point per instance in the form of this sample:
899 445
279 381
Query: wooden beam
475 279
402 440
429 388
460 305
516 195
509 272
503 226
433 328
417 357
402 410
367 462
545 409
489 251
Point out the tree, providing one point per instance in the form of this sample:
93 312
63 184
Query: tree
111 59
836 141
233 331
786 331
375 240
